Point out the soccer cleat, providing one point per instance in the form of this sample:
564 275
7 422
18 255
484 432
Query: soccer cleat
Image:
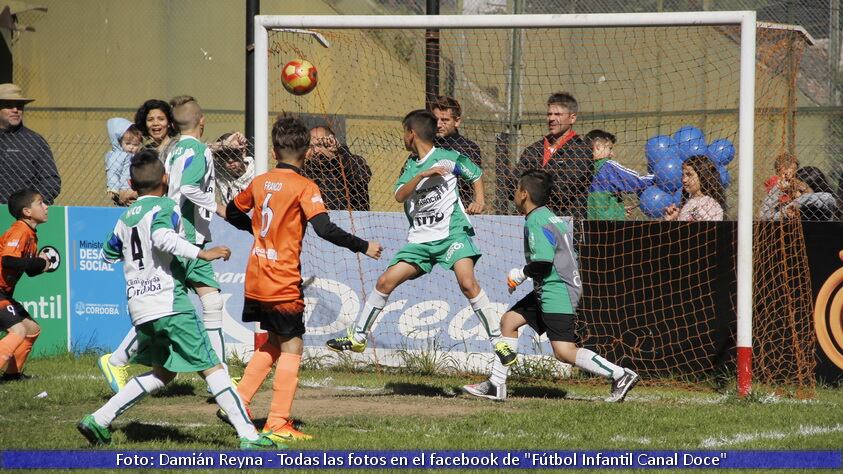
115 376
621 386
347 343
222 415
486 389
505 353
286 433
263 442
94 433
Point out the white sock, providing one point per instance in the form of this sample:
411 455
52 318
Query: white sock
371 309
482 308
212 318
592 363
499 371
135 389
229 400
127 348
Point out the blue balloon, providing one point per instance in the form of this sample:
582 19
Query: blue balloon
668 174
687 133
692 148
725 177
721 151
677 198
653 201
658 148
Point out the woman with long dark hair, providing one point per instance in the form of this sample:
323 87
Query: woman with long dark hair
703 198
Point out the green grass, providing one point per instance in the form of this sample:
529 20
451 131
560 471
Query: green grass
385 409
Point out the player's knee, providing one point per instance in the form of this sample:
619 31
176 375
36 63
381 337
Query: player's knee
510 322
468 285
212 306
385 285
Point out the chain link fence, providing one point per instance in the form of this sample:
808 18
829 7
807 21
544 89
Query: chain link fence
127 52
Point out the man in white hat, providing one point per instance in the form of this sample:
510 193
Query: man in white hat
25 157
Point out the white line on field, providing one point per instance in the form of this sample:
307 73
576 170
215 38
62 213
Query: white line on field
327 382
740 438
628 439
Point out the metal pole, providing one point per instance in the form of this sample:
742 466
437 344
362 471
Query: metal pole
833 51
431 56
252 9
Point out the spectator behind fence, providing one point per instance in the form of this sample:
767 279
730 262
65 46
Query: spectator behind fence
778 186
564 155
342 177
233 167
814 200
26 160
154 119
702 192
611 180
448 115
126 140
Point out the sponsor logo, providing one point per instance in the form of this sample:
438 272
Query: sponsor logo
137 287
13 243
316 198
91 259
45 308
453 248
430 219
82 308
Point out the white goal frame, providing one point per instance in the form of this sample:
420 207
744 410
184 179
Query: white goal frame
746 20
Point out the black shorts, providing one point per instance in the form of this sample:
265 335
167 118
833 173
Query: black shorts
11 313
558 326
272 319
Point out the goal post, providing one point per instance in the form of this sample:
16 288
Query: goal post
745 21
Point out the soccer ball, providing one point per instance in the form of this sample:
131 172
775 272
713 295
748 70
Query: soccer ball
53 256
299 77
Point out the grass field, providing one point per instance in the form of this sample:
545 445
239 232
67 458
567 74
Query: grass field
382 410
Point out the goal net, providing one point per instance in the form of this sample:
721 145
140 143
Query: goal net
658 296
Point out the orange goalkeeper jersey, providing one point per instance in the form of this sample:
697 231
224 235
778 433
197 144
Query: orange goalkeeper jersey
19 241
283 201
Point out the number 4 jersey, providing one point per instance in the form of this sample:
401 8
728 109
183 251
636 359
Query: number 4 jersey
434 210
146 238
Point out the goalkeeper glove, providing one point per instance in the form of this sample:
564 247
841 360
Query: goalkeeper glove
516 277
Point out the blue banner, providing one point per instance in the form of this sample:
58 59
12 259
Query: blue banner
496 459
98 311
423 314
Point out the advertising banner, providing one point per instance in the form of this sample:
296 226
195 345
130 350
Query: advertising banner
98 312
45 296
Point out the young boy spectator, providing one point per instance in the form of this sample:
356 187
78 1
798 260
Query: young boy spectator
282 202
126 140
342 177
233 168
778 185
611 180
440 231
551 307
19 246
170 337
448 115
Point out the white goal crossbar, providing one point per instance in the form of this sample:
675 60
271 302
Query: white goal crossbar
746 20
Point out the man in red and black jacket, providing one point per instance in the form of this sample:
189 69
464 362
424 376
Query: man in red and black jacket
565 156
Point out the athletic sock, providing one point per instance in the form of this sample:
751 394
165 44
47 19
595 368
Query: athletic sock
228 399
371 309
212 318
8 345
482 308
127 348
257 370
133 392
283 390
499 371
592 363
20 355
